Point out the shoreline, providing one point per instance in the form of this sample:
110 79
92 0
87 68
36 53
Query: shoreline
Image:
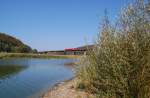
32 55
66 89
57 85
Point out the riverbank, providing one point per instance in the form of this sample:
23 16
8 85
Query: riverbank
67 89
31 55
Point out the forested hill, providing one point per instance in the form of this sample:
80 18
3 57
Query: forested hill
11 44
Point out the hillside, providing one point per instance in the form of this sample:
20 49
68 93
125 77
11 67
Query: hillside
12 44
89 47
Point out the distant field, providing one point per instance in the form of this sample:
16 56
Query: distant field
31 55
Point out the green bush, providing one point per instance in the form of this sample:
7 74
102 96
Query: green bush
119 65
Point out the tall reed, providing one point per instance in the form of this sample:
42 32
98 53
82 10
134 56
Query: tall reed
119 64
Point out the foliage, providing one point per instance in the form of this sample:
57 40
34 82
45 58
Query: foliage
119 65
11 44
35 51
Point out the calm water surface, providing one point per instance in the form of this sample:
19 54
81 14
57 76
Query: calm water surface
30 78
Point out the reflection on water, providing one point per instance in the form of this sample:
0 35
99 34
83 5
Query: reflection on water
7 71
30 78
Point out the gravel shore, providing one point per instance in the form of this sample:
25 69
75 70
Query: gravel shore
66 90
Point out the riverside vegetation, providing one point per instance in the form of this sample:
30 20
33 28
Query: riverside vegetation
36 55
12 44
119 65
13 47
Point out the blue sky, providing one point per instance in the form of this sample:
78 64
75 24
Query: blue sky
56 24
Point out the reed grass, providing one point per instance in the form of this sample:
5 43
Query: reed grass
119 65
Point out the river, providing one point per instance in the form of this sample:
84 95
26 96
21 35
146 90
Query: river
30 78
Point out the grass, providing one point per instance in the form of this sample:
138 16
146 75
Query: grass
31 55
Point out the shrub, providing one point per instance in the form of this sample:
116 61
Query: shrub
119 65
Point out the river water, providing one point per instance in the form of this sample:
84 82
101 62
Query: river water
30 78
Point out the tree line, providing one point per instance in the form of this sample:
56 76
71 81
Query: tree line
13 45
